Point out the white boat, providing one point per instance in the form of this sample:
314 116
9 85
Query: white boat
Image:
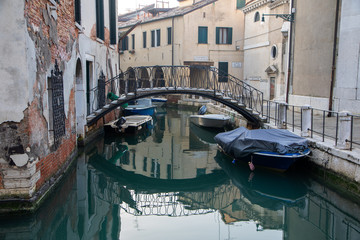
158 102
129 124
210 120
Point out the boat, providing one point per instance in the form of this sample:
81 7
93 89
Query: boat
140 107
129 124
210 120
158 102
277 149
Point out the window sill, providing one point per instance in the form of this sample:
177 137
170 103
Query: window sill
100 40
78 26
112 47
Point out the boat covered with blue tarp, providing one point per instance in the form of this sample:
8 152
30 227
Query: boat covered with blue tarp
272 148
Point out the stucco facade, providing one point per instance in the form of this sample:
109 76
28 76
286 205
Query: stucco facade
346 91
313 53
266 47
184 47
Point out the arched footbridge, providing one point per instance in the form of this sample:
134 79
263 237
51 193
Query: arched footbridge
208 82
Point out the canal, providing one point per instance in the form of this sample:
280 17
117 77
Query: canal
171 182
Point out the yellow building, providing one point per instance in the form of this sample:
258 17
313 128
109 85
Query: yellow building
207 33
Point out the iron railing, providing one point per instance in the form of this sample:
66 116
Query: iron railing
324 123
180 78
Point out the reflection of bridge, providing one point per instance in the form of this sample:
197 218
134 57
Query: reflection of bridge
148 81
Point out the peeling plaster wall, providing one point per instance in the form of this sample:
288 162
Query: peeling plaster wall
34 34
14 94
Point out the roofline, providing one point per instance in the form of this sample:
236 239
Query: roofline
173 16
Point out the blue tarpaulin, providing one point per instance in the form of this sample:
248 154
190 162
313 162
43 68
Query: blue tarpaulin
241 142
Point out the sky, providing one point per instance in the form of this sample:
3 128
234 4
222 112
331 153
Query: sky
131 5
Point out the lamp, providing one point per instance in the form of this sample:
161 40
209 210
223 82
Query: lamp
286 17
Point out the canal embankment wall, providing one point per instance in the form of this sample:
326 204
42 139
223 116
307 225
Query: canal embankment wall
326 160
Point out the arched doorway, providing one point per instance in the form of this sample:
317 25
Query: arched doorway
80 104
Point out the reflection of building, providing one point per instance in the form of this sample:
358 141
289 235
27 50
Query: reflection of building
207 33
170 157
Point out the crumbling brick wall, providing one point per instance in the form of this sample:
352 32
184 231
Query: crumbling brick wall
51 27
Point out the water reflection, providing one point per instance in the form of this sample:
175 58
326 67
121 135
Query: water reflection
173 183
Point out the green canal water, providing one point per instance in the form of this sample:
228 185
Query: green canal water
171 182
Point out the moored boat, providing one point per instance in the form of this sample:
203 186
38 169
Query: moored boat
158 102
142 107
276 149
129 124
210 120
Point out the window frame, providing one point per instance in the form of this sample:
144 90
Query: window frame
224 35
202 33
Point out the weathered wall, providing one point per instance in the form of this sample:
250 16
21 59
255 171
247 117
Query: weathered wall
45 32
346 91
313 48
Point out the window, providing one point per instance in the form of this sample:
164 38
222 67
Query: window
125 43
202 35
133 41
257 17
158 37
240 4
223 35
100 19
223 71
169 35
144 39
273 51
155 38
152 38
78 11
112 18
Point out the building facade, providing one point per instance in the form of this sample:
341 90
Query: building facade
206 33
52 53
266 47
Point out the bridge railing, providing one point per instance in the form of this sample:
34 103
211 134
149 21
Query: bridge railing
177 78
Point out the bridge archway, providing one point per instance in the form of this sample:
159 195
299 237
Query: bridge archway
202 81
254 121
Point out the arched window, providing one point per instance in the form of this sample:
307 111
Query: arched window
257 17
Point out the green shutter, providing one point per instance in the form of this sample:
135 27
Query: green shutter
158 37
240 4
202 35
153 38
169 35
144 39
112 15
229 36
217 35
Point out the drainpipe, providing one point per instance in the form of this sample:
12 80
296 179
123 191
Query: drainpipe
172 42
290 52
334 58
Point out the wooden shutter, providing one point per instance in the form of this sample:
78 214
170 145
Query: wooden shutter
217 35
229 36
112 16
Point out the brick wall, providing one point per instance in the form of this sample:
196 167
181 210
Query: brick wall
53 33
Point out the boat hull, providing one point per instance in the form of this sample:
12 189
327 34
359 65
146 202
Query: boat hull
133 124
275 161
210 120
138 110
